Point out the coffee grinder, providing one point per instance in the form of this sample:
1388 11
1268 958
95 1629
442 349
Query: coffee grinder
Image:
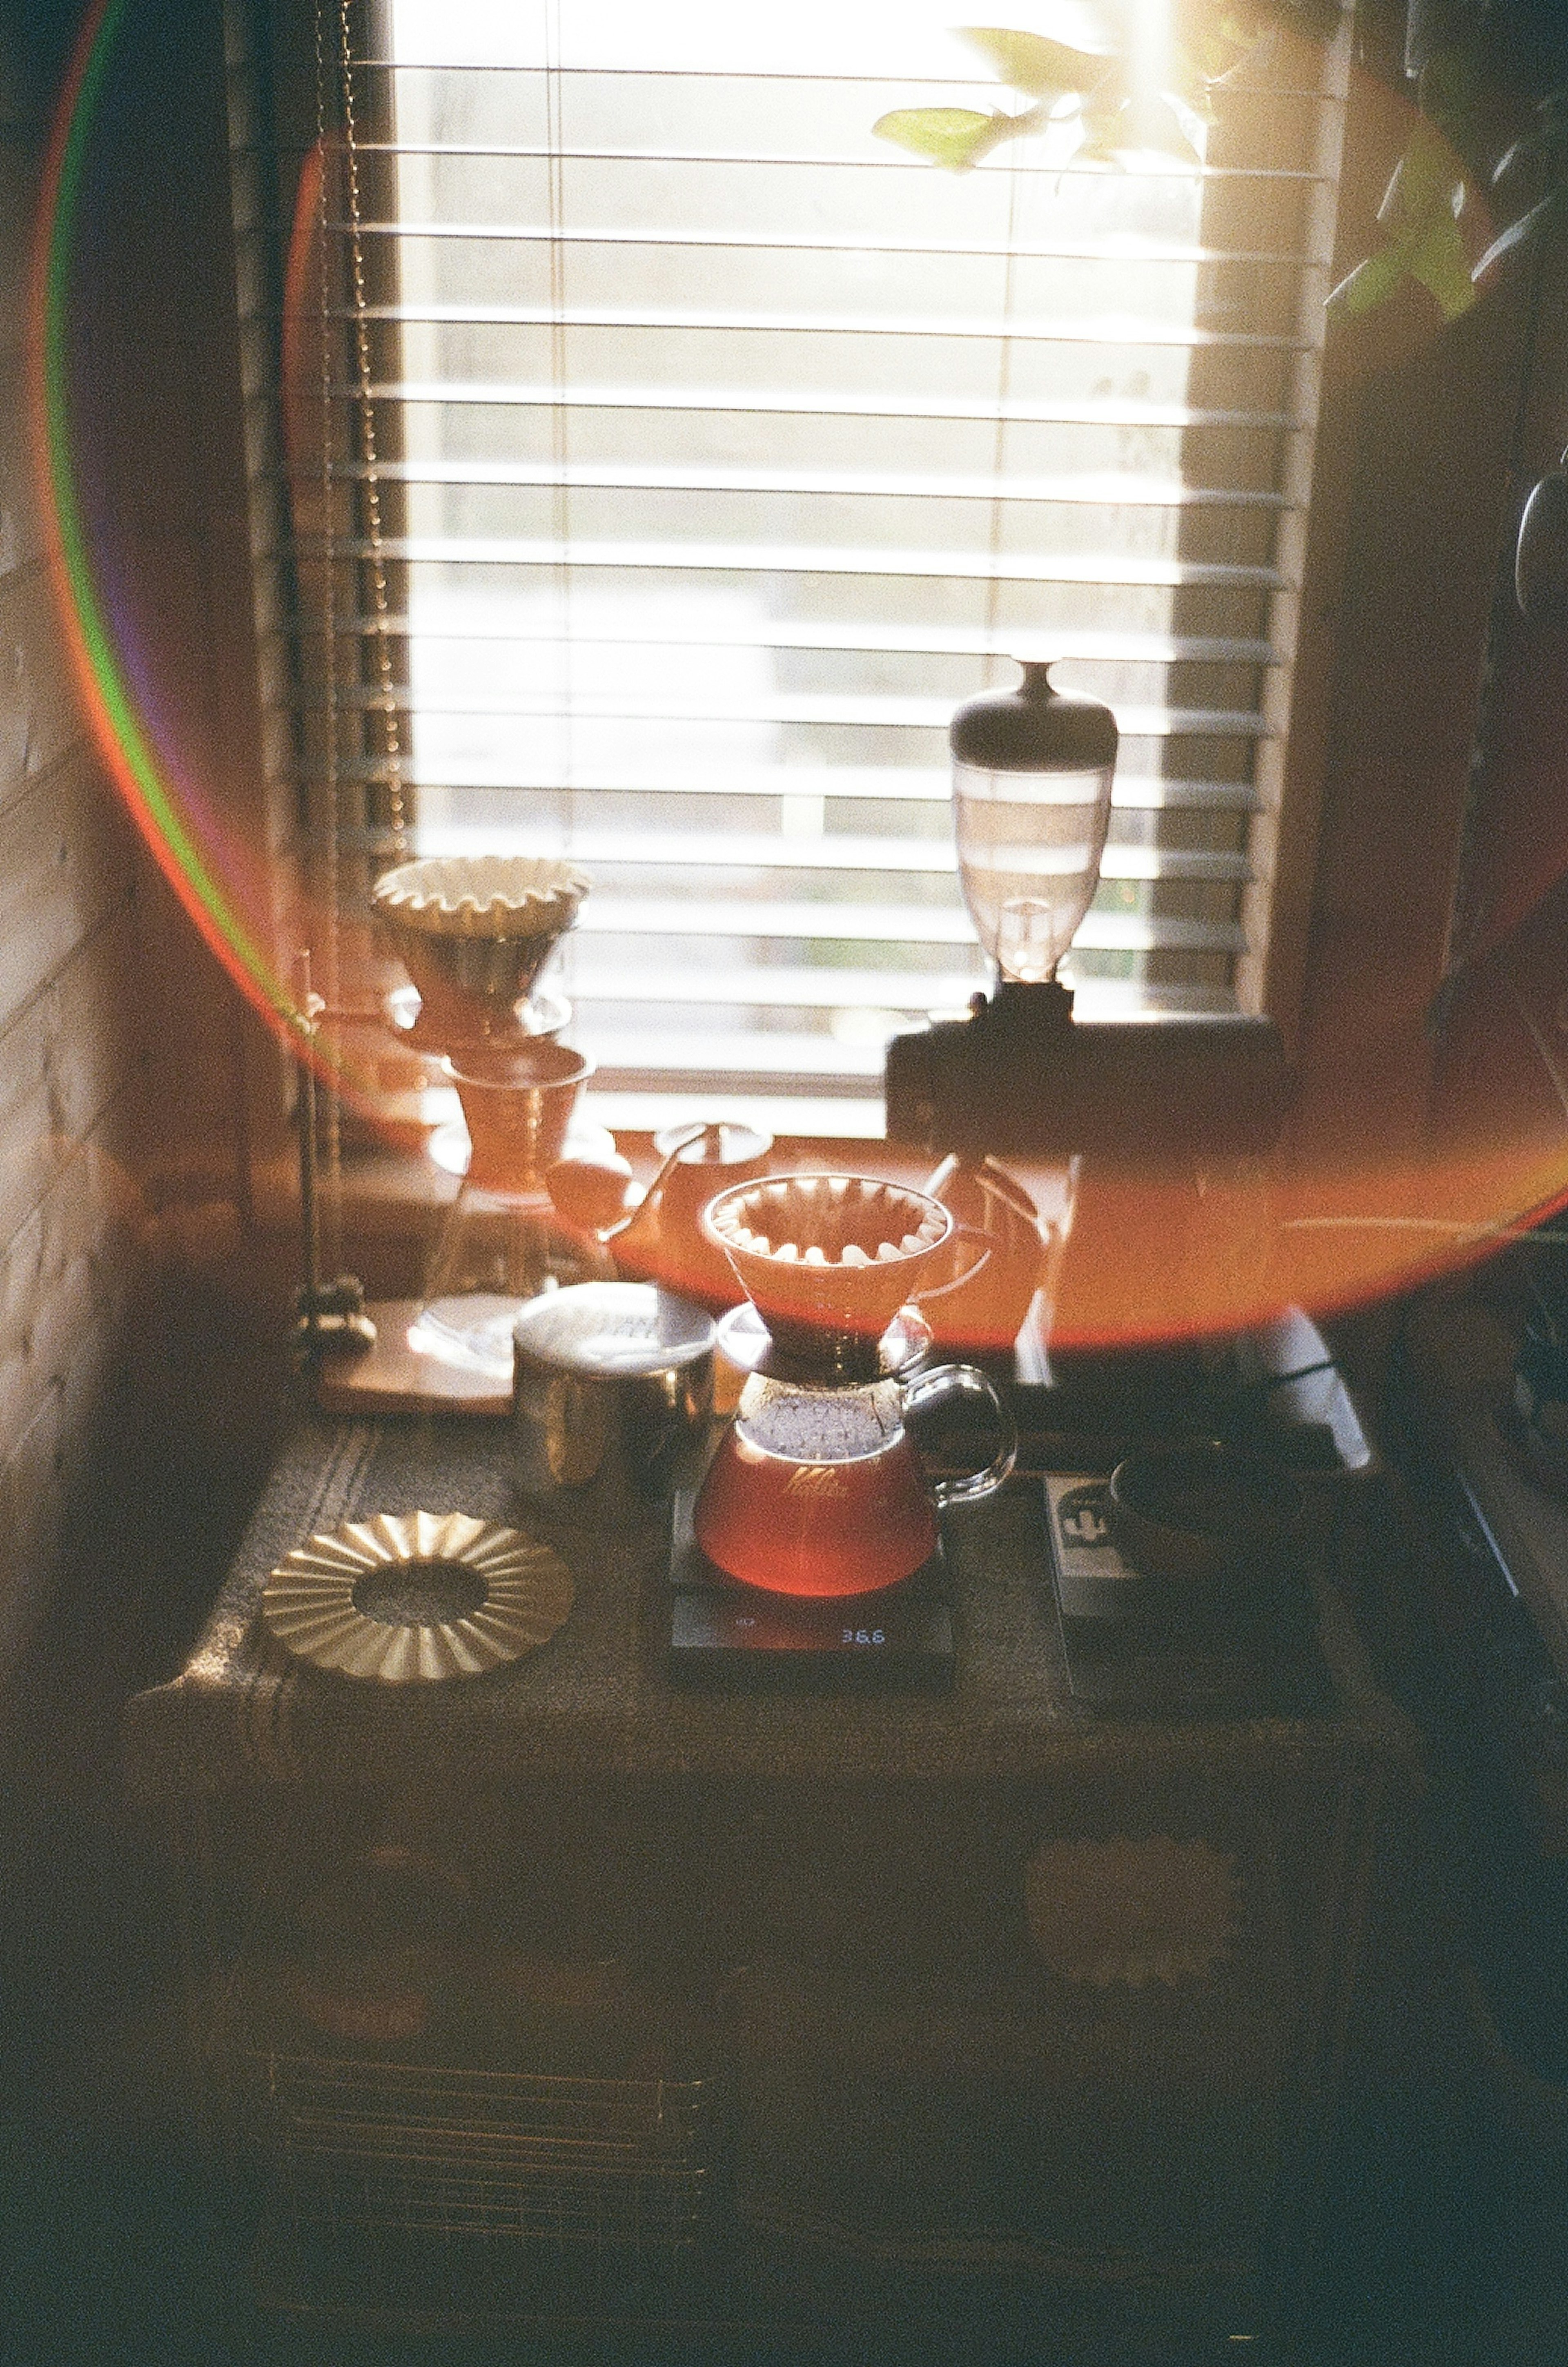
1164 1124
1145 1110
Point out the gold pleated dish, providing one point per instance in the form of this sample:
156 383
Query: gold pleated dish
416 1597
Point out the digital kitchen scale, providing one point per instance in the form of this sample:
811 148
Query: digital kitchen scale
722 1632
1127 1654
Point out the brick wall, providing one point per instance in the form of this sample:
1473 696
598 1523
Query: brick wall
69 1068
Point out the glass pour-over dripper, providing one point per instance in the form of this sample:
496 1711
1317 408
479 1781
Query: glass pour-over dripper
502 1242
474 934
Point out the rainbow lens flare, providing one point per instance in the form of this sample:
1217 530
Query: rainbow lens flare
145 770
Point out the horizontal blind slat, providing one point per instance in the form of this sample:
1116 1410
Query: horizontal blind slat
610 915
1125 491
1120 331
576 153
867 714
763 1052
836 78
1109 411
788 559
699 853
776 987
1113 249
872 636
924 784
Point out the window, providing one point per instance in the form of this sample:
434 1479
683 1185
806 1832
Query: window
720 449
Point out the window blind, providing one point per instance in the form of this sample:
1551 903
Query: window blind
720 449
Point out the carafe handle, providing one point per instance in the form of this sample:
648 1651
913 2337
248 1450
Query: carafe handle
961 1281
963 1381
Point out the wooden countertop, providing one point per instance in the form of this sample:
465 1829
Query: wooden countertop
597 1698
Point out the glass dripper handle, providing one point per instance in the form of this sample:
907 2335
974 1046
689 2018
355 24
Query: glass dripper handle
945 1383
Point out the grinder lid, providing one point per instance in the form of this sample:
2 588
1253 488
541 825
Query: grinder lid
1034 728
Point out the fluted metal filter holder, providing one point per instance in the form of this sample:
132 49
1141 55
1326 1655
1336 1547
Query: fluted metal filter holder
406 1597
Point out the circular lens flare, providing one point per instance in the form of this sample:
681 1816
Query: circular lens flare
1151 1255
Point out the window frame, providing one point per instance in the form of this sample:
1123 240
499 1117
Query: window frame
1329 823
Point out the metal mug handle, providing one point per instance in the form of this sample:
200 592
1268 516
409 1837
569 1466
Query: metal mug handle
963 1381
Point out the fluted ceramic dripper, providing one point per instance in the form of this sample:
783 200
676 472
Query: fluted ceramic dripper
826 1259
474 932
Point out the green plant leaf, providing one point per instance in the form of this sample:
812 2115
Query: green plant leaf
1372 283
1420 211
1438 259
1101 120
955 136
1029 63
1428 180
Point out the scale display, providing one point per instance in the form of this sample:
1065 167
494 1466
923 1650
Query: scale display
723 1632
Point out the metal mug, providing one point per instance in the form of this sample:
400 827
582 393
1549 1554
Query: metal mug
612 1392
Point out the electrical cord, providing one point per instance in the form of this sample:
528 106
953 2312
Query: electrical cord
1275 1381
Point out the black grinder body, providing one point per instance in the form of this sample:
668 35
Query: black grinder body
1021 1077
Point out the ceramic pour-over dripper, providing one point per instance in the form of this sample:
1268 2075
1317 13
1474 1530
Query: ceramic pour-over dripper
474 932
827 1260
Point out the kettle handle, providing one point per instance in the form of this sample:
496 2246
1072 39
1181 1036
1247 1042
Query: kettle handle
648 1206
963 1381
